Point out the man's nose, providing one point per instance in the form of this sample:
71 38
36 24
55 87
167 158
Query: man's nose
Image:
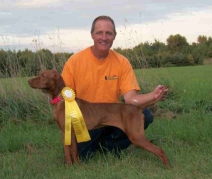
104 36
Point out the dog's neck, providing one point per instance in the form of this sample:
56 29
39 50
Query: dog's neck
55 95
56 100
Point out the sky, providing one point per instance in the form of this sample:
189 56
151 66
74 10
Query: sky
64 25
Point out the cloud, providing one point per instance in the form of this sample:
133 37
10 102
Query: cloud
137 21
190 25
56 41
31 3
5 13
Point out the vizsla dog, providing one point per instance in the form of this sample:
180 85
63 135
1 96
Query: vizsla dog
124 116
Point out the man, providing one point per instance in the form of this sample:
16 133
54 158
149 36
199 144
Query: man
98 74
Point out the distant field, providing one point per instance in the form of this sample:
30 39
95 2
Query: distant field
189 84
207 61
31 144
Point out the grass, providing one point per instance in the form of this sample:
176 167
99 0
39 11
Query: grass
31 145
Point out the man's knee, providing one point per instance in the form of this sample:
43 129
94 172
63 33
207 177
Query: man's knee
114 139
148 117
87 148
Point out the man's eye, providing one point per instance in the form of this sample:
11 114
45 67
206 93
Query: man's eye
109 33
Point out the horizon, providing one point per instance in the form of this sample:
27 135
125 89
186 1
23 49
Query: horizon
41 24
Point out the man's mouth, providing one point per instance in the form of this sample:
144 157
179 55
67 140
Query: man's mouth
103 43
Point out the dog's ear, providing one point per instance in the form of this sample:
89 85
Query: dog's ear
58 80
56 75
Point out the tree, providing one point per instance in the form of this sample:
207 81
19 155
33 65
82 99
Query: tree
3 63
201 39
158 47
46 59
175 43
27 62
190 59
60 59
209 52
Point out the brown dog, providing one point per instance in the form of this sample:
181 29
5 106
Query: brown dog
124 116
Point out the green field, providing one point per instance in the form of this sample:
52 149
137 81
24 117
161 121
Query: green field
31 145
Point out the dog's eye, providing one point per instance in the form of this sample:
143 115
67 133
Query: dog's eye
43 75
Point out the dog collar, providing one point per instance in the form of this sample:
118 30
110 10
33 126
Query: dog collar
56 100
67 94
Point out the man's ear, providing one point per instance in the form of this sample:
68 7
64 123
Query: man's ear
115 37
91 35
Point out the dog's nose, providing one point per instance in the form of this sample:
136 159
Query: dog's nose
29 81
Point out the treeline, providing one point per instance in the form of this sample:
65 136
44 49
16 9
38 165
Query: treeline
176 52
29 63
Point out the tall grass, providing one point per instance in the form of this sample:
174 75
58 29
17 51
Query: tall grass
18 103
31 145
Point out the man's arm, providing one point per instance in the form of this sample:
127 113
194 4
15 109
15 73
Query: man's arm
132 97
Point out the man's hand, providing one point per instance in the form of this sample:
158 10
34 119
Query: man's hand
160 93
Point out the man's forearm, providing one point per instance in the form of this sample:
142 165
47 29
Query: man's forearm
133 98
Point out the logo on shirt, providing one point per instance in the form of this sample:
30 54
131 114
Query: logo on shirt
114 77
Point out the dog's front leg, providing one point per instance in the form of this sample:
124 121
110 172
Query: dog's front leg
74 149
71 151
68 159
67 150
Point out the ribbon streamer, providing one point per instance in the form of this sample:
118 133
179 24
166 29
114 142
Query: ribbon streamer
73 116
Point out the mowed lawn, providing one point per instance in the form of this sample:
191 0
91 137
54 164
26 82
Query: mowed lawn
31 146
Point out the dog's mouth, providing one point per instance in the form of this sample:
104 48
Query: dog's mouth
44 89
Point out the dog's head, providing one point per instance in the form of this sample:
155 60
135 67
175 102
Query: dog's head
48 81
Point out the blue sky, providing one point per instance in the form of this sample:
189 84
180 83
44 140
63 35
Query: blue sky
64 25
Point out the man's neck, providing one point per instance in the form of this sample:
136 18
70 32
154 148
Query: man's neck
99 55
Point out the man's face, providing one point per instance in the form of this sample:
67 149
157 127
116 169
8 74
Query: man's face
103 35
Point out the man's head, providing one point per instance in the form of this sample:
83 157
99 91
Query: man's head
107 18
103 32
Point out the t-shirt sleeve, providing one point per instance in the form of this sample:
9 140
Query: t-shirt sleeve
128 79
68 74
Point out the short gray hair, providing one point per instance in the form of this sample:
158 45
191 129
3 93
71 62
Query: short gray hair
103 18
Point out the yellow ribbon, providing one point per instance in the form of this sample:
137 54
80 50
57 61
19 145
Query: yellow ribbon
73 116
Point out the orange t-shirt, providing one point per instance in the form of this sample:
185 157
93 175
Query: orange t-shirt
96 80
